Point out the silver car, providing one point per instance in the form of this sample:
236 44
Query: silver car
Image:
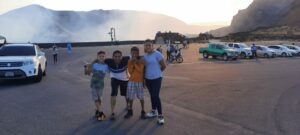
295 48
265 52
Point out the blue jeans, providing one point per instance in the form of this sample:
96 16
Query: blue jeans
154 89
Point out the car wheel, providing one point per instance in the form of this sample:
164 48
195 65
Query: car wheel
243 55
45 71
298 53
284 54
179 59
205 55
39 76
225 57
266 55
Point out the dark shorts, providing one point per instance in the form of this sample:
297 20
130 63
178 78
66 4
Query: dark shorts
115 84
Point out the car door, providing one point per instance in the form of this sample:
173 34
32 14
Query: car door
219 50
213 49
260 51
237 48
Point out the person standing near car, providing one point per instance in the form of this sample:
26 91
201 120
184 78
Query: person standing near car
55 53
253 50
154 66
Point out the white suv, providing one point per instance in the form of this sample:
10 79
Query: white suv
21 61
243 49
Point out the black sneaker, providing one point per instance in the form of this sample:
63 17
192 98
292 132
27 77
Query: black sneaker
112 116
129 114
101 116
143 115
97 113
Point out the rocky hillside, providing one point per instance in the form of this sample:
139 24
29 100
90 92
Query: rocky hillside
263 13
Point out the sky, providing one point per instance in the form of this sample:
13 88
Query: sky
200 12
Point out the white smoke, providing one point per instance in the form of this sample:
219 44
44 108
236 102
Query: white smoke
37 24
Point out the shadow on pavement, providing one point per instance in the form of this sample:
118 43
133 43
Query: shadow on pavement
119 127
13 83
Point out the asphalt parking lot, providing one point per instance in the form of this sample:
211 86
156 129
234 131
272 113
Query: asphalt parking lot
199 97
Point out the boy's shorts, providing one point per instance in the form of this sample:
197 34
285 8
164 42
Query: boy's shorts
97 94
116 84
135 89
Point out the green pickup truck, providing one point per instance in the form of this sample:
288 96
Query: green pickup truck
219 50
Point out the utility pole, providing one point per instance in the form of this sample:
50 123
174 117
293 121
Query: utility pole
112 34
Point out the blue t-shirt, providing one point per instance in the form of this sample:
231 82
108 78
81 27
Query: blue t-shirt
153 68
253 48
100 67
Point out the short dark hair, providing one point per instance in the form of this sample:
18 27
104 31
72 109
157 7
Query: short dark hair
148 41
100 52
135 49
117 51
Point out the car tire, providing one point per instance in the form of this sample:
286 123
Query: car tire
45 71
284 54
243 55
39 76
225 57
266 55
205 55
298 53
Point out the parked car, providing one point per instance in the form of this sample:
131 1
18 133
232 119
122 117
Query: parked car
22 61
295 48
263 51
281 50
243 49
219 50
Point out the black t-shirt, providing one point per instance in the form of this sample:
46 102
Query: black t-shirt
117 68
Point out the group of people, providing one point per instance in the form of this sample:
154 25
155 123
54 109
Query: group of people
130 75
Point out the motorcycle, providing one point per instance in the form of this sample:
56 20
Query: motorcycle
176 56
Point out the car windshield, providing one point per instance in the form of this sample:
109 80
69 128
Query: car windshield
244 46
264 48
285 48
17 51
222 47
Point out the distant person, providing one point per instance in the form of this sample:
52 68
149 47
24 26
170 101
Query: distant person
135 86
168 52
159 49
69 47
98 70
119 78
184 44
155 65
55 53
253 50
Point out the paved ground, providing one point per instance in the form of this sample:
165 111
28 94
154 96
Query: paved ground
200 97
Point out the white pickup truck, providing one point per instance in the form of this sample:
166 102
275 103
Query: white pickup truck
243 49
22 61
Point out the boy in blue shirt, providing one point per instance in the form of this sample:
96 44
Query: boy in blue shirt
98 70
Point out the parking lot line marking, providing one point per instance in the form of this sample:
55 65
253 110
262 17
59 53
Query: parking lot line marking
178 78
201 116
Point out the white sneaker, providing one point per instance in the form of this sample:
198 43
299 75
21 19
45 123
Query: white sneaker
152 114
160 120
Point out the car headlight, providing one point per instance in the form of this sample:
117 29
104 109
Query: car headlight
30 62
